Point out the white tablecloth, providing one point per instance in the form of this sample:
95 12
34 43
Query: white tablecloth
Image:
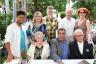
76 61
65 61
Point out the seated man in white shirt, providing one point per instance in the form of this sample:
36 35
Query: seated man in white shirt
80 49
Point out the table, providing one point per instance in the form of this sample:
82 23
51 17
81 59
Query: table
73 61
65 61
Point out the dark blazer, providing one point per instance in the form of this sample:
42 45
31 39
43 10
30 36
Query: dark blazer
75 53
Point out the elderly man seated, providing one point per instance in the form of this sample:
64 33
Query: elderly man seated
80 49
60 47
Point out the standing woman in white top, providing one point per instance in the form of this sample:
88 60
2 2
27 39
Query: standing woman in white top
40 49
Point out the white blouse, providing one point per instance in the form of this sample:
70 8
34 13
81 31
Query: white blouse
45 51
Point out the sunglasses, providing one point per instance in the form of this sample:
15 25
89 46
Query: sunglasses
81 12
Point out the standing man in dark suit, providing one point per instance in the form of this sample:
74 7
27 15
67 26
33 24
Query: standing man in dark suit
80 49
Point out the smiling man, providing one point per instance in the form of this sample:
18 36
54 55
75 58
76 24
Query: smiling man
80 49
15 38
59 47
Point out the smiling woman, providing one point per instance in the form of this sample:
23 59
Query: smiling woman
84 24
39 50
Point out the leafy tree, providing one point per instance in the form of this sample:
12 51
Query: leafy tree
32 6
89 4
41 5
5 20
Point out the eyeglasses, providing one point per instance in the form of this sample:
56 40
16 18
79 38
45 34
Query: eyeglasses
81 12
78 35
38 16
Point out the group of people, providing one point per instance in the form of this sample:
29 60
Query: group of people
48 38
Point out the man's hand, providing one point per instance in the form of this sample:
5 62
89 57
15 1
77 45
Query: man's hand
9 58
61 62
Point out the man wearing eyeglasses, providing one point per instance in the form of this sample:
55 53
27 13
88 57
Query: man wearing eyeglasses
80 49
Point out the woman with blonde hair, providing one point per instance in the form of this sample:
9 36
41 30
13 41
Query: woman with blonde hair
83 23
36 25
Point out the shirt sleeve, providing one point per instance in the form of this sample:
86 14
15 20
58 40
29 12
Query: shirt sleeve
29 52
54 54
47 50
9 34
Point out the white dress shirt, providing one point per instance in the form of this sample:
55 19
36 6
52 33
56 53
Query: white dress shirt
68 25
80 46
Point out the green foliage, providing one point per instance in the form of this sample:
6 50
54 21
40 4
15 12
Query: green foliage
89 4
62 14
41 5
5 20
74 16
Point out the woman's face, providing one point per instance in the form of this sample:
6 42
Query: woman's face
82 13
38 18
39 39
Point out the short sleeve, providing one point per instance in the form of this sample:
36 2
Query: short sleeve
9 34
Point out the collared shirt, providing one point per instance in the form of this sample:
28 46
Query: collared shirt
13 37
64 48
51 27
68 25
80 46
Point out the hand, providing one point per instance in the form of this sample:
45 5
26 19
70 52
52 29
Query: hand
61 62
89 39
9 58
29 57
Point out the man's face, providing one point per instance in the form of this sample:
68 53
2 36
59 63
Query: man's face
79 36
50 12
69 13
20 19
61 35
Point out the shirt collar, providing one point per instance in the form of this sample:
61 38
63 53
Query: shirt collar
61 41
80 43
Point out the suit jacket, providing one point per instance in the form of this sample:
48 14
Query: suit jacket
75 53
55 49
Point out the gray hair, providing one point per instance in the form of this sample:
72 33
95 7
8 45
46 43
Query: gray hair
50 7
69 9
39 34
78 30
61 29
